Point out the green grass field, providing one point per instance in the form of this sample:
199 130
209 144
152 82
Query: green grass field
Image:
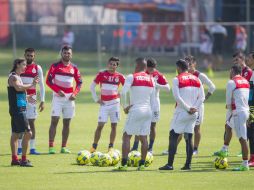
61 172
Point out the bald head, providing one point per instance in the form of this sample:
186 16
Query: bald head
140 64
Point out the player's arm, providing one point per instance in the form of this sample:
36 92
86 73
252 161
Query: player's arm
162 83
13 81
201 97
50 80
125 99
229 94
177 96
42 88
78 80
94 95
211 87
153 99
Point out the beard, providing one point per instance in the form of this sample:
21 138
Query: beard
29 61
66 59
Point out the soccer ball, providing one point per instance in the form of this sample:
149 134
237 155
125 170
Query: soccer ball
95 157
83 157
115 157
149 159
221 163
105 160
133 158
118 152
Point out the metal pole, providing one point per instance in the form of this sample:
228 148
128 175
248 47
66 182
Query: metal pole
14 42
248 25
99 46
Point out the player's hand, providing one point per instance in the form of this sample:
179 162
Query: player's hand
41 106
61 93
36 80
207 96
192 111
72 97
126 110
30 99
100 102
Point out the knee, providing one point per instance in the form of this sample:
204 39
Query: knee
100 127
113 126
54 122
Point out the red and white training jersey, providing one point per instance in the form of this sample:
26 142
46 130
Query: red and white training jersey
33 70
109 84
247 73
62 77
141 88
237 94
188 92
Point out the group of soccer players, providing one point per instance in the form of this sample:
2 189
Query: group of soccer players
140 100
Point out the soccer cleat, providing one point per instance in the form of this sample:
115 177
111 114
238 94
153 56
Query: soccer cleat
165 152
239 154
15 163
34 152
166 167
19 151
26 163
222 153
195 153
65 150
92 150
186 167
52 150
141 167
121 168
242 168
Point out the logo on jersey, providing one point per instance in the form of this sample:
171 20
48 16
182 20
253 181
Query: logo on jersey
116 79
33 70
72 71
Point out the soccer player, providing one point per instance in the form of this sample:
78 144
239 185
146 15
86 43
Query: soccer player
189 95
32 70
238 58
17 109
160 83
139 108
237 95
109 101
250 123
60 79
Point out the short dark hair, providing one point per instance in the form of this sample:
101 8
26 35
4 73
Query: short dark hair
239 54
182 64
252 54
66 48
151 62
115 59
29 50
190 59
237 69
141 59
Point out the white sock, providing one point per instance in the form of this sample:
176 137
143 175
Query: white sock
20 143
225 148
245 163
32 144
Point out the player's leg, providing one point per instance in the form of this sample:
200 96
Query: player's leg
250 133
65 134
112 136
20 143
52 133
114 115
97 136
152 136
32 140
136 143
144 147
197 137
189 150
14 147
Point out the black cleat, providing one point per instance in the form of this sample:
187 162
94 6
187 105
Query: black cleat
166 167
15 163
26 163
186 167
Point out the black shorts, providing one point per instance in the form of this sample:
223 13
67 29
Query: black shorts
19 123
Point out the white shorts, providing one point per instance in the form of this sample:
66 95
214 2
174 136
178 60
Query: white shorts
31 111
200 117
155 116
62 105
111 111
138 122
238 123
183 122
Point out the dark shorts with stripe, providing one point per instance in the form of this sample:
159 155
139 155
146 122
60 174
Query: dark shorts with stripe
19 123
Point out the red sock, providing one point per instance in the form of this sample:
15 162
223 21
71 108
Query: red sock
64 144
23 158
51 143
15 157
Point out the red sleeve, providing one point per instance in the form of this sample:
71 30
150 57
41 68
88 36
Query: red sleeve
122 80
162 80
50 78
97 79
78 79
249 74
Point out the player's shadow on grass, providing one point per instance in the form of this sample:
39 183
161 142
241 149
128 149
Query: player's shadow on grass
107 171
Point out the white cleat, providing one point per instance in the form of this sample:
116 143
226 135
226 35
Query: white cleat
195 153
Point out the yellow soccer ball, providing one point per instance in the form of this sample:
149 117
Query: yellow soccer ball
149 159
83 157
105 160
221 163
133 158
115 157
95 157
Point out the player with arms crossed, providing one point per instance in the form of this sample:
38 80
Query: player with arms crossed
32 70
109 101
189 95
139 108
60 79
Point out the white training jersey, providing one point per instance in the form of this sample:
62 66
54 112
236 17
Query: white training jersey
142 91
205 80
188 92
237 94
